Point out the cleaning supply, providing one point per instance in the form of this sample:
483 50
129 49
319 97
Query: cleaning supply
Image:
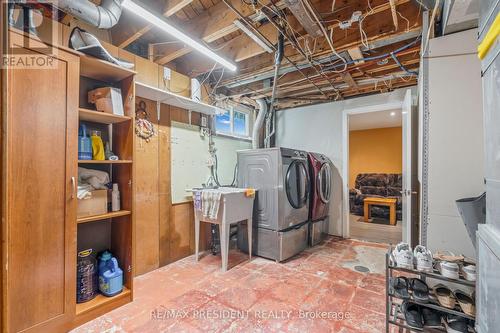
84 144
115 198
86 277
97 146
110 275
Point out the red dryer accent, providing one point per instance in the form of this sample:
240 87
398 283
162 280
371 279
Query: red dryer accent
319 204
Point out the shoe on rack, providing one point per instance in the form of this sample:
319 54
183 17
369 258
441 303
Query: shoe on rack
420 290
423 259
413 315
449 269
403 256
432 318
469 272
466 302
445 296
455 324
399 287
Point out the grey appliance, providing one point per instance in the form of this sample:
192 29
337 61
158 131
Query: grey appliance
281 206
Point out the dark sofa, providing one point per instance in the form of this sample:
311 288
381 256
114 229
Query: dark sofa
387 185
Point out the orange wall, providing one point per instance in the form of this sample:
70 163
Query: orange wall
375 151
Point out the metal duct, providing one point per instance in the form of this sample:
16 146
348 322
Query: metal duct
104 16
259 122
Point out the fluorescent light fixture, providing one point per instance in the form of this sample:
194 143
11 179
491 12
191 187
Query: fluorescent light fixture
256 38
174 32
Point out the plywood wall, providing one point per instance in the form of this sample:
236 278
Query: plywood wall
164 232
378 150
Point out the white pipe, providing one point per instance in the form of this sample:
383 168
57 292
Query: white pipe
259 122
104 16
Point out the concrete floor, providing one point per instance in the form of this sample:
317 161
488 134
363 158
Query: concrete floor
372 232
316 291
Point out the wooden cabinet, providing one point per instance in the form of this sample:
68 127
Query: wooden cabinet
39 187
40 229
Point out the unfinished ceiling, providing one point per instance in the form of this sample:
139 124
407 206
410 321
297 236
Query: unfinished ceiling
385 33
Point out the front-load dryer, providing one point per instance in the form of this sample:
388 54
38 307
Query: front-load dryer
281 207
320 168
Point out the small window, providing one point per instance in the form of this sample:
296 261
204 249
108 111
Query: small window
240 123
234 123
223 122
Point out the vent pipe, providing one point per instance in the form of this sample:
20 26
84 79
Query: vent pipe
104 16
259 122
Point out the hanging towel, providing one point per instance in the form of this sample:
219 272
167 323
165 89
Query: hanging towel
214 211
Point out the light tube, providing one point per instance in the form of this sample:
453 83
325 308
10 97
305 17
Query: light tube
174 32
257 39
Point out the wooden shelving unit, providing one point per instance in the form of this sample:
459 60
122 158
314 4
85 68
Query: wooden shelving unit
105 162
394 315
101 301
101 117
101 70
113 230
103 216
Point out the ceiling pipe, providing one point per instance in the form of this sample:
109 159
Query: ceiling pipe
259 122
104 16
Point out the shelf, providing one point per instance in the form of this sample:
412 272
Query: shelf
166 97
437 307
101 70
101 117
104 162
434 275
109 215
100 301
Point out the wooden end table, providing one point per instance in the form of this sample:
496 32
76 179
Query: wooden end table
390 202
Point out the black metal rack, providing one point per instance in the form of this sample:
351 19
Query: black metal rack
393 311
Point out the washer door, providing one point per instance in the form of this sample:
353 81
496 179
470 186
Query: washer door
297 184
323 182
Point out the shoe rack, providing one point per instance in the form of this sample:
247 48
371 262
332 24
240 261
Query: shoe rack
394 315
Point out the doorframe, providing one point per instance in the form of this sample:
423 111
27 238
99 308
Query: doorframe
345 154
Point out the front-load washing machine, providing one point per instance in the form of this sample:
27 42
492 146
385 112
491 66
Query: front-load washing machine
320 168
281 207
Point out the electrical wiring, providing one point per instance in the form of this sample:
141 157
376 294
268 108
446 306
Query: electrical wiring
396 60
310 11
407 21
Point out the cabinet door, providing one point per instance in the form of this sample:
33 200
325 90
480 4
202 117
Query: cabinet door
42 123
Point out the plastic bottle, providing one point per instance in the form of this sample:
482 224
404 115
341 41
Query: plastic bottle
115 198
84 144
97 146
110 275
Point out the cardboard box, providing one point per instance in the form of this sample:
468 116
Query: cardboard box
108 100
96 205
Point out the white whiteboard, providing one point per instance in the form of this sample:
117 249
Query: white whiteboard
189 156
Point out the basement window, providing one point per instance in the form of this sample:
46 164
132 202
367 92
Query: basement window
235 123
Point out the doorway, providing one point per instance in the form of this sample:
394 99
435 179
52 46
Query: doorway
377 172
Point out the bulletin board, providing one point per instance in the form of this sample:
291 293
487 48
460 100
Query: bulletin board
189 156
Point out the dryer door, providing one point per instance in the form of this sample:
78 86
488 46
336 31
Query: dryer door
323 183
297 183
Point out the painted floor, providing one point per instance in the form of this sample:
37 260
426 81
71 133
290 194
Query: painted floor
317 291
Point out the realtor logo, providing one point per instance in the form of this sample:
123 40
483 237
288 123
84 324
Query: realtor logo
38 20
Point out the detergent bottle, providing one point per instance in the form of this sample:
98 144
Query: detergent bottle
97 146
110 275
84 144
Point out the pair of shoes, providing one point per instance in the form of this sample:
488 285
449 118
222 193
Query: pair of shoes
455 324
449 299
402 286
449 269
418 317
421 258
